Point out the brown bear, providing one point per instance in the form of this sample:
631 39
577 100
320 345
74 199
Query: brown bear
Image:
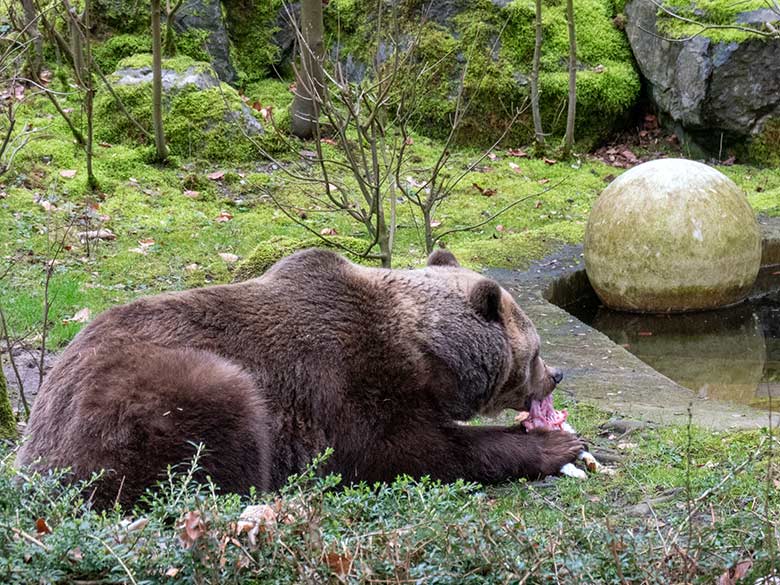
380 365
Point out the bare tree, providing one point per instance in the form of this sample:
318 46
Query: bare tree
157 118
310 77
568 141
369 129
537 116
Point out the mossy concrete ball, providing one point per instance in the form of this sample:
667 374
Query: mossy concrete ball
672 235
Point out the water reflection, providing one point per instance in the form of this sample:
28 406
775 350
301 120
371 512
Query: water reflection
729 354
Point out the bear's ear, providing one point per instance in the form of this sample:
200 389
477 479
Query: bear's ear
442 258
485 299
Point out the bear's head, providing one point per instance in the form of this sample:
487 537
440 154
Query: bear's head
525 378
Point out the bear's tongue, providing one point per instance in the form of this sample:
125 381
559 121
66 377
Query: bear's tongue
543 415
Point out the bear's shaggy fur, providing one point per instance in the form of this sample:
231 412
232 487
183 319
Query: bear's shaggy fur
380 365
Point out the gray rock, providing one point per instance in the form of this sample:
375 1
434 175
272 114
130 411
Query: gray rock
174 82
207 15
716 94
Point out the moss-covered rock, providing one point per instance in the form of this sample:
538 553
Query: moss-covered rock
203 117
7 418
110 52
764 149
270 252
493 44
251 25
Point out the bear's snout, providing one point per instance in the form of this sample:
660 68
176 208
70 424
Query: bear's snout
556 375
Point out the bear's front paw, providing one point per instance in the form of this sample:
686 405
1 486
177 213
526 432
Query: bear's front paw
556 449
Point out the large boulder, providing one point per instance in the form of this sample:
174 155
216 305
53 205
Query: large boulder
721 93
672 235
202 116
206 15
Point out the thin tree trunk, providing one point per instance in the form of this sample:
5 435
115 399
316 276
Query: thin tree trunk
89 97
538 130
157 121
570 116
310 77
35 59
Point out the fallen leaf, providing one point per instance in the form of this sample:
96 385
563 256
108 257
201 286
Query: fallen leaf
68 173
192 267
172 572
515 168
41 527
735 573
329 232
492 156
192 528
104 144
645 334
538 204
487 192
435 224
543 181
409 141
310 154
191 194
75 554
599 69
338 563
550 161
143 246
228 257
517 152
500 228
255 519
256 105
47 205
216 175
223 217
329 141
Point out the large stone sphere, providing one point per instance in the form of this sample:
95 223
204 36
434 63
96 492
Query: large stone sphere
672 235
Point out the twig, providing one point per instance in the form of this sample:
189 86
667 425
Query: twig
116 556
500 211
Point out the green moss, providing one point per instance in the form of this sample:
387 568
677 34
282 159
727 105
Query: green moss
7 418
110 52
604 98
179 64
198 123
705 13
494 46
270 252
122 16
764 149
251 25
192 43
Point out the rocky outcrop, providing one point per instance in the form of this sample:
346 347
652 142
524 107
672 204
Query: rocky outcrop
718 95
207 15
